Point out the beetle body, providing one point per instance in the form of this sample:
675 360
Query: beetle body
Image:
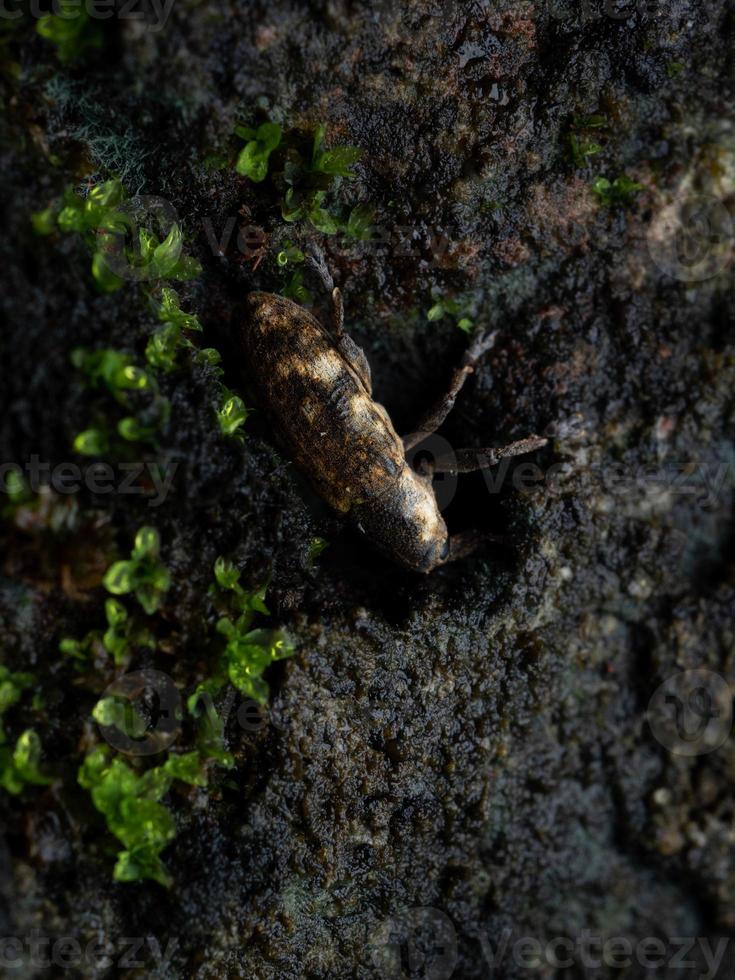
317 393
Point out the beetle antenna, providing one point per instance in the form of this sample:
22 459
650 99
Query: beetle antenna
338 312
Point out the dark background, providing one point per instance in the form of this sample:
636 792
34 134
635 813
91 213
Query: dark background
473 742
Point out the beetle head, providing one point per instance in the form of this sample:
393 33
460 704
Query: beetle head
405 523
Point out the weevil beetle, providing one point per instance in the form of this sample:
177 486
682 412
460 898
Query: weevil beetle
316 389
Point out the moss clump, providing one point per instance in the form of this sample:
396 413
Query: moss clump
106 226
458 309
20 766
120 639
131 805
261 142
247 651
142 574
71 30
616 193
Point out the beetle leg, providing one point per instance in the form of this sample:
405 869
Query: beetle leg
355 357
470 460
347 347
438 413
319 265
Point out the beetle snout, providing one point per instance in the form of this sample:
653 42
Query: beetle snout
406 523
436 554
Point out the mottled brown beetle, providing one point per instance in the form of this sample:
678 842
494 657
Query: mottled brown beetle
316 389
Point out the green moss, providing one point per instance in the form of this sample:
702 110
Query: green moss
456 308
211 728
120 713
580 139
187 767
106 227
44 222
211 358
247 651
20 766
92 442
71 30
142 574
94 218
132 802
309 176
169 339
116 372
582 149
252 161
163 260
113 370
617 193
296 290
336 162
227 577
289 254
132 809
162 349
231 414
360 222
122 636
169 311
12 686
19 763
132 429
316 547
